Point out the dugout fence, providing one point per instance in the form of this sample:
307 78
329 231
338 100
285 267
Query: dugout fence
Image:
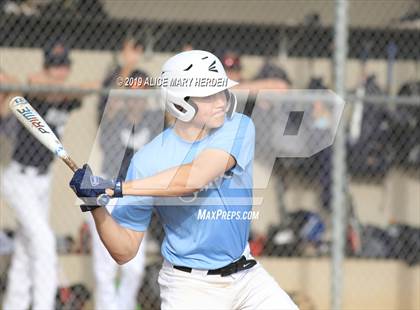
357 201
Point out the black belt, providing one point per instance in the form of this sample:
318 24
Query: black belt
39 170
241 264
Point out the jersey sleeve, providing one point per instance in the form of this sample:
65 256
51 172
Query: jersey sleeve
236 137
134 212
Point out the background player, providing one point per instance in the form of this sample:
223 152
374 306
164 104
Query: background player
125 127
207 155
26 183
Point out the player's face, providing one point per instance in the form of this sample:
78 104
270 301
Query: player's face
211 110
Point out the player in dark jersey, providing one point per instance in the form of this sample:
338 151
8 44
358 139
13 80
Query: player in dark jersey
32 278
126 125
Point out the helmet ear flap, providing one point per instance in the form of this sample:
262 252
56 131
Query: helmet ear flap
179 107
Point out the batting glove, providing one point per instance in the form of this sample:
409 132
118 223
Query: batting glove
85 184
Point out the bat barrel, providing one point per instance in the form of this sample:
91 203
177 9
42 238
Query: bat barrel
37 126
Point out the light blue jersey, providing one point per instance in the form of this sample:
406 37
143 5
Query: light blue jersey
206 230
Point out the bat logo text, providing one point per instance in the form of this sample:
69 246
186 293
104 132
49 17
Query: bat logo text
30 116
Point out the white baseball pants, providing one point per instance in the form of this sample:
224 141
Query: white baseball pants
107 295
34 261
250 289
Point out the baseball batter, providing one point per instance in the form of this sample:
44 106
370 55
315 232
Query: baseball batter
198 175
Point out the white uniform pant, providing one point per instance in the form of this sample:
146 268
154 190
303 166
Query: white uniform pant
107 295
250 289
33 271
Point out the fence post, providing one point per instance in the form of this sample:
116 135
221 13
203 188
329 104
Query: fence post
339 166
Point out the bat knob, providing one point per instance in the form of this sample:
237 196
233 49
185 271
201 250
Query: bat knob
103 200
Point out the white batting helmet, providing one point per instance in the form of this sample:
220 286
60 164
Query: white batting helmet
194 74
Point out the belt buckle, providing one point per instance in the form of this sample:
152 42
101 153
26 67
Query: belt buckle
232 268
229 270
239 265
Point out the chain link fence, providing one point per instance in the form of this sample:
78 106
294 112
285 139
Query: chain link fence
66 57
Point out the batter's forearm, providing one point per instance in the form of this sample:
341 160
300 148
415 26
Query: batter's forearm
182 180
176 181
120 244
